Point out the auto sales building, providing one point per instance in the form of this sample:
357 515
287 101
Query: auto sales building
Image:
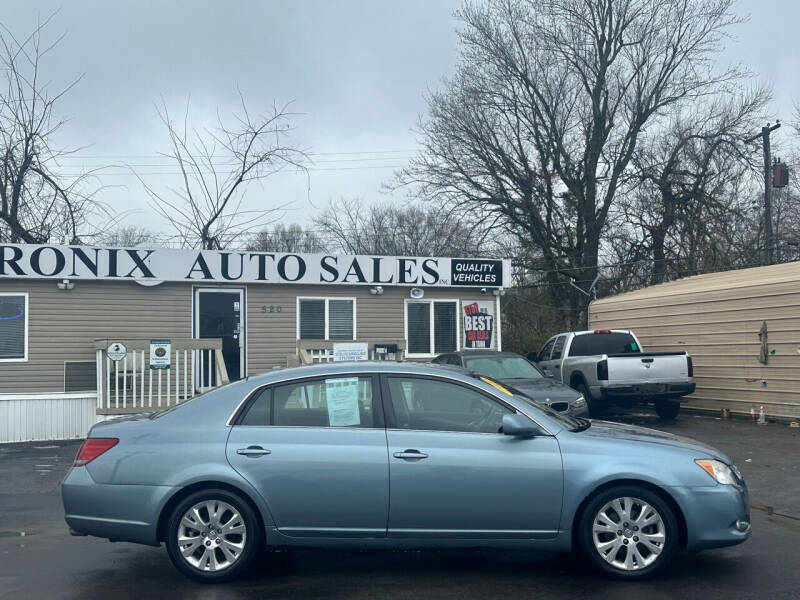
87 332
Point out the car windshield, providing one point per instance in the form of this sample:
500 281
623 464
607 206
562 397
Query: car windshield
503 367
569 423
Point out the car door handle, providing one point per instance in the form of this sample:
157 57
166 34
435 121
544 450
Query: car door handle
253 451
410 455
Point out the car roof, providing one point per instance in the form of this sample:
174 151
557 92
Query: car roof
362 366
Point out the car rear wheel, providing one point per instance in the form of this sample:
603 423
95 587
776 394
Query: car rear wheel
628 532
213 536
667 410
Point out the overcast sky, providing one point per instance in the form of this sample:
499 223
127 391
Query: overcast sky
356 70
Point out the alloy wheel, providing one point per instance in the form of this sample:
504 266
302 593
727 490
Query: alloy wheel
628 533
211 535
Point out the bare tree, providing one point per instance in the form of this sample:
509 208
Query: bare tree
689 173
541 121
38 202
354 227
130 236
218 166
287 238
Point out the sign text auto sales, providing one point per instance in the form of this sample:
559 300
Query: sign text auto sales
163 264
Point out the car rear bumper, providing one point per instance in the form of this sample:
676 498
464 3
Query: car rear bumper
716 516
645 392
126 513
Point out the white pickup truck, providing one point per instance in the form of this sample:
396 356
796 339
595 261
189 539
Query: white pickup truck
610 366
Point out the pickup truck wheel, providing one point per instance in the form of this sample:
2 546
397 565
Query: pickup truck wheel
667 410
592 405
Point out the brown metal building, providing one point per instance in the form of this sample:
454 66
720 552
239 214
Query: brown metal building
741 327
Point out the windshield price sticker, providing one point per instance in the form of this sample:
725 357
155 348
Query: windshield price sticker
496 385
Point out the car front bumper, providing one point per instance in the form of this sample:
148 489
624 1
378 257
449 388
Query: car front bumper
716 516
126 513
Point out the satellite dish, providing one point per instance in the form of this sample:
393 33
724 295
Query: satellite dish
416 293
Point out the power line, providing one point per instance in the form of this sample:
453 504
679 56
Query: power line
204 172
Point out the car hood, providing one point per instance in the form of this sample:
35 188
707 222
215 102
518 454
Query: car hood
543 390
634 433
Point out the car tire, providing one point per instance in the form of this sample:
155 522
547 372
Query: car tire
667 410
638 550
592 405
218 556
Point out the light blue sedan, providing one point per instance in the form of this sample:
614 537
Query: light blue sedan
396 455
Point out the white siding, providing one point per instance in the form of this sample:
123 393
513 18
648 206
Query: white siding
33 417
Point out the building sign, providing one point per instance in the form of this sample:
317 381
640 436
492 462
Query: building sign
160 352
116 351
476 272
478 320
167 264
349 351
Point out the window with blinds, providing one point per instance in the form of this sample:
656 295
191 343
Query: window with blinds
13 326
431 327
312 319
444 327
419 327
340 319
326 319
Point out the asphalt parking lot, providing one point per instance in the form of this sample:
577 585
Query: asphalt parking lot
46 562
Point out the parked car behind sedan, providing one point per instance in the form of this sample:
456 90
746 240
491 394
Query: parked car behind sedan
516 371
396 455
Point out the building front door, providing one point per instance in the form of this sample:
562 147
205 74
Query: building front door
219 313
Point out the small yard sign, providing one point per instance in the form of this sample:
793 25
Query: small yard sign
160 352
116 351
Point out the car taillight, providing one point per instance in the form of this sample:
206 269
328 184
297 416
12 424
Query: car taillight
91 448
691 367
602 370
602 331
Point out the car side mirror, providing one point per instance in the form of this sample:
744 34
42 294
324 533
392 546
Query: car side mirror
520 426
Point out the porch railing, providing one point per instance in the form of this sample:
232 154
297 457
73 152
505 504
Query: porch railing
130 386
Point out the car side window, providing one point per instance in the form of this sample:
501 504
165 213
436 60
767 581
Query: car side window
257 412
434 405
327 402
558 347
544 353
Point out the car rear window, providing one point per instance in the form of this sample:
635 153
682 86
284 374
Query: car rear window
591 344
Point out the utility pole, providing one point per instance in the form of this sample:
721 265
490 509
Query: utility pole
770 238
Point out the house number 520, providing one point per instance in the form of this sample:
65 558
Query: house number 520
271 308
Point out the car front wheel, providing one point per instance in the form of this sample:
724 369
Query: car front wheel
213 536
628 532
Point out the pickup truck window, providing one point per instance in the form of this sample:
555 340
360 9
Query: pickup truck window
558 347
593 344
544 353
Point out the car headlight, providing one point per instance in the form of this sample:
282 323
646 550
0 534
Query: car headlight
579 401
721 472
